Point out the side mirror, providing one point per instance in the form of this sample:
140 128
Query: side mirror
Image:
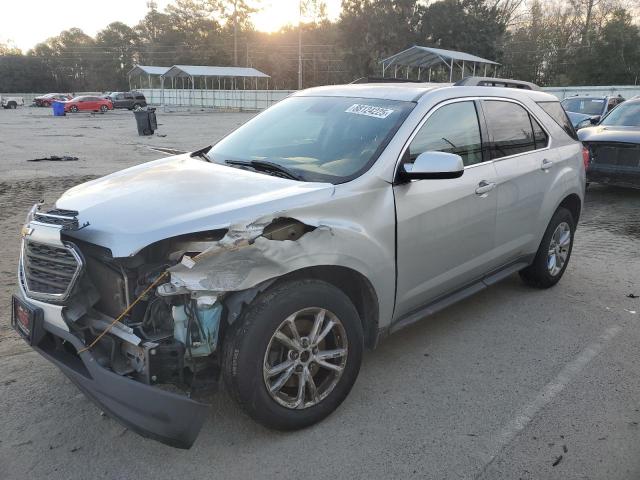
595 120
434 165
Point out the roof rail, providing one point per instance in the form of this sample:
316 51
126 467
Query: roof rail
495 82
384 80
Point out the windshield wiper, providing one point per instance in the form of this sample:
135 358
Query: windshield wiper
267 166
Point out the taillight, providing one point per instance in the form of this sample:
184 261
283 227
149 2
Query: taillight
586 157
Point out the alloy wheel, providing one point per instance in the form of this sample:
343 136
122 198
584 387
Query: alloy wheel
559 248
305 358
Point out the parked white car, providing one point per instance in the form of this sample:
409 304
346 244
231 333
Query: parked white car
11 102
274 257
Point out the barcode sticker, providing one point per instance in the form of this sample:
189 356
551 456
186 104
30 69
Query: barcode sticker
369 110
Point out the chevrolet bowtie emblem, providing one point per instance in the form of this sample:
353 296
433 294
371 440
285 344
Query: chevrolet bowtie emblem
26 231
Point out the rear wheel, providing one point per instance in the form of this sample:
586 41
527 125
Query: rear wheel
12 105
103 108
554 252
293 356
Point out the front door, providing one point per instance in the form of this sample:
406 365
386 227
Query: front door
445 228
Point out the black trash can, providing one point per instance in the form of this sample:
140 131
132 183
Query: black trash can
146 121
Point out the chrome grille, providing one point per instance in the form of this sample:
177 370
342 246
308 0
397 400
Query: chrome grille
66 219
49 271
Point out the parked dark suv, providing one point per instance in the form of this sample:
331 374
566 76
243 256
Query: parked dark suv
130 100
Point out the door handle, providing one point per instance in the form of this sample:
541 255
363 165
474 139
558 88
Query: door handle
485 187
546 164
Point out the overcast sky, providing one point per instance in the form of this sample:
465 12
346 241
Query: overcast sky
27 22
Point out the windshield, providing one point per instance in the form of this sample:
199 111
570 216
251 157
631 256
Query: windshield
587 106
626 114
319 139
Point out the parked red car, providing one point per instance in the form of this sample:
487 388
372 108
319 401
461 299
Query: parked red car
49 98
92 104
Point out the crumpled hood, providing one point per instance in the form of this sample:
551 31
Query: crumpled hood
610 134
133 208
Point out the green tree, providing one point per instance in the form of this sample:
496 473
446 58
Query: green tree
117 49
374 29
71 59
471 26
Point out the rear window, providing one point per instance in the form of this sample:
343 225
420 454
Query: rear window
555 111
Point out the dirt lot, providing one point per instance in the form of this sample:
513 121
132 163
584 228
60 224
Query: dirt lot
512 383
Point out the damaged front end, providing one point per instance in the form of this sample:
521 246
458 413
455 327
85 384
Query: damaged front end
140 335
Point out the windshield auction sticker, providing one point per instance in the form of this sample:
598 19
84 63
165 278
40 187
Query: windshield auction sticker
369 110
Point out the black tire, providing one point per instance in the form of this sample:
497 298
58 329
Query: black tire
74 108
538 274
136 106
104 108
247 340
13 105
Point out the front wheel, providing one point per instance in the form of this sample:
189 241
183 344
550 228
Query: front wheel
74 108
554 252
293 356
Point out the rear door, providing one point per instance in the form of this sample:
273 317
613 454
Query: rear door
128 100
446 227
524 163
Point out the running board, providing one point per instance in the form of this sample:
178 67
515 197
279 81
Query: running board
455 297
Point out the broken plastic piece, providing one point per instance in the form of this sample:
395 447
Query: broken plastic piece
54 158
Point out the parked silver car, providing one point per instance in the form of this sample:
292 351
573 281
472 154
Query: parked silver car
330 220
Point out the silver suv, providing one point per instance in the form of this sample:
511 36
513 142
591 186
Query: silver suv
273 258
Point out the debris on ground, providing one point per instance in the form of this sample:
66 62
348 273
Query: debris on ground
170 151
633 295
54 158
557 461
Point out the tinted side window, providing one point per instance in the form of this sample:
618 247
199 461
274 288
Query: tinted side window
453 128
509 128
539 135
555 111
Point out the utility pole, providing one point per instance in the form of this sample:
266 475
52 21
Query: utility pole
235 33
300 45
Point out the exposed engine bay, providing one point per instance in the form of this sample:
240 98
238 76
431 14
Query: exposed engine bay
140 324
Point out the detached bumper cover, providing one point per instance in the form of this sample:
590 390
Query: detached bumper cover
164 416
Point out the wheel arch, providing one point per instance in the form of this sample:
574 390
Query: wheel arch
572 203
351 282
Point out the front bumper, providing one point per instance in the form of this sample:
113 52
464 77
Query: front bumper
163 416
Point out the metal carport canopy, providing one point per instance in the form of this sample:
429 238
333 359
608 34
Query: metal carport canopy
206 71
147 70
427 57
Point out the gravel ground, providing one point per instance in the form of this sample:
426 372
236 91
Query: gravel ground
512 383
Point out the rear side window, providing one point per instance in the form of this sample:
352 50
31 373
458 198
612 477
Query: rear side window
539 135
139 97
555 111
509 128
453 128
